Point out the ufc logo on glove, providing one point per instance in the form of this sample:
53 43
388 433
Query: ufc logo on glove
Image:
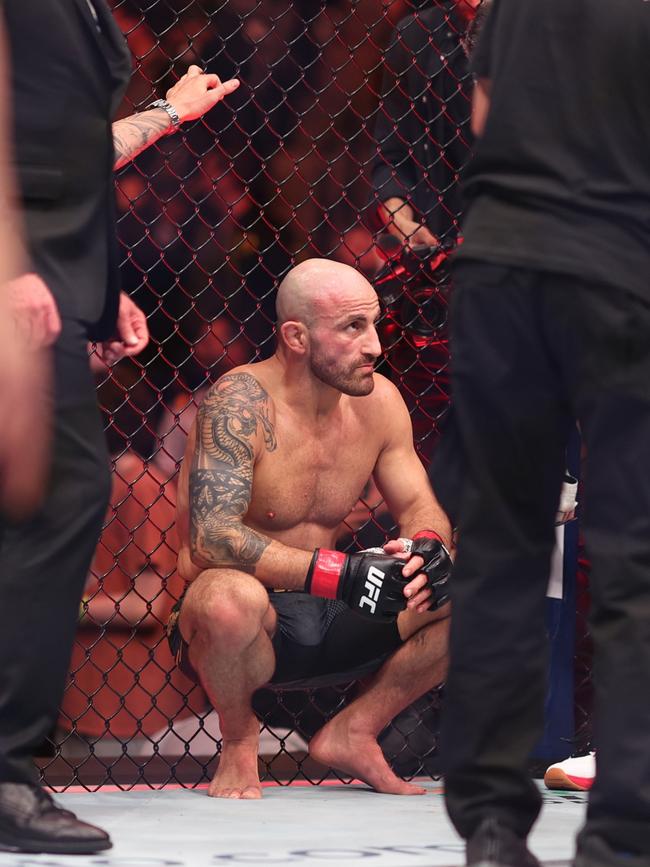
373 585
371 582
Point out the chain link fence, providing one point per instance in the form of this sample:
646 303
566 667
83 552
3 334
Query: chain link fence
348 132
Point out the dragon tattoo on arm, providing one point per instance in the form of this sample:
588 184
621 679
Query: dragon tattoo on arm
221 477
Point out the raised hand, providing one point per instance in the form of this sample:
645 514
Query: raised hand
197 92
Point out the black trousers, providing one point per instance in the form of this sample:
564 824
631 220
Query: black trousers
44 564
531 352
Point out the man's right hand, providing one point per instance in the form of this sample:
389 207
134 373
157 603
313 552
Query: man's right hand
30 324
197 92
25 406
34 310
411 233
397 216
371 584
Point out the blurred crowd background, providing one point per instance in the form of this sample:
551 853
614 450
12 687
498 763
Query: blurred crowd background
212 219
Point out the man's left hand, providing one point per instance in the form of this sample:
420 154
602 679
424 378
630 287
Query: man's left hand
132 333
418 591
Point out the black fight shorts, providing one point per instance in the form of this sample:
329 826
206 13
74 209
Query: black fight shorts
318 642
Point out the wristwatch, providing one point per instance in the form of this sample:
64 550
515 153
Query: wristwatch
171 111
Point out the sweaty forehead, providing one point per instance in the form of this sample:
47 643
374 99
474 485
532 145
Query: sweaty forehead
343 301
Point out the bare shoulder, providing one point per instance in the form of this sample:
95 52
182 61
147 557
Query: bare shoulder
237 411
385 412
385 402
385 390
249 383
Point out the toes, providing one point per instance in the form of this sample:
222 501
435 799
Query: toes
412 790
249 793
222 793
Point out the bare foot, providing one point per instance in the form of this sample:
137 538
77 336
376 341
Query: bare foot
358 754
237 775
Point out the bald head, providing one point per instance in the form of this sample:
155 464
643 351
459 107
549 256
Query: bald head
316 287
327 317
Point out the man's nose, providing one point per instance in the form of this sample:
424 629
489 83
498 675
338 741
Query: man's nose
372 344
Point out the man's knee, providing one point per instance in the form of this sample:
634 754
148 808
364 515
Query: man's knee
224 608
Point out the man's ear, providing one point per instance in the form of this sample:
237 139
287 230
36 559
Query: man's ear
295 337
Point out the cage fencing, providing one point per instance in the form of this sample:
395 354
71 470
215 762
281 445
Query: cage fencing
345 140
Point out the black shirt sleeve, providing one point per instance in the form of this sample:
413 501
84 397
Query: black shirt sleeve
392 171
410 63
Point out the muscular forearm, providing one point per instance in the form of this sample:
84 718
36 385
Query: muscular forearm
136 133
283 567
428 516
236 546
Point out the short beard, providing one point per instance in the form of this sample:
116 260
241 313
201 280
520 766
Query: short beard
344 381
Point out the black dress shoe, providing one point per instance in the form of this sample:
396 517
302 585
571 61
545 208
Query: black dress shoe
593 851
495 845
30 821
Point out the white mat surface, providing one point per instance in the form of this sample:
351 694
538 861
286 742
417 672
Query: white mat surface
299 825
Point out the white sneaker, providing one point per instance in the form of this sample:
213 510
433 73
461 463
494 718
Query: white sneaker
577 774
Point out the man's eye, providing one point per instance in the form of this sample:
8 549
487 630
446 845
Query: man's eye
354 326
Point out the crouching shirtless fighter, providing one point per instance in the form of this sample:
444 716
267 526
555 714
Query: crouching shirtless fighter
279 454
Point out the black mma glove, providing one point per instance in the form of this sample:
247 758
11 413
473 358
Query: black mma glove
371 584
437 565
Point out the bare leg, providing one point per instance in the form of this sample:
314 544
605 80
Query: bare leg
227 620
349 741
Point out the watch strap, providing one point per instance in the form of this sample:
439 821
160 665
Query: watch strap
171 111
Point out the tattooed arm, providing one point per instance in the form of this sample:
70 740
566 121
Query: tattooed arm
134 134
192 96
234 427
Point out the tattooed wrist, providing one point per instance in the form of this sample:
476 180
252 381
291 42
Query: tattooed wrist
218 536
134 134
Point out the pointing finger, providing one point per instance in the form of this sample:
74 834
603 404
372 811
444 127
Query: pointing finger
214 82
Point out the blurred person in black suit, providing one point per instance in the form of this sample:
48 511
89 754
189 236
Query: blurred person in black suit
69 68
551 323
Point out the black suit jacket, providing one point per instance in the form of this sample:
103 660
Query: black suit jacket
67 81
